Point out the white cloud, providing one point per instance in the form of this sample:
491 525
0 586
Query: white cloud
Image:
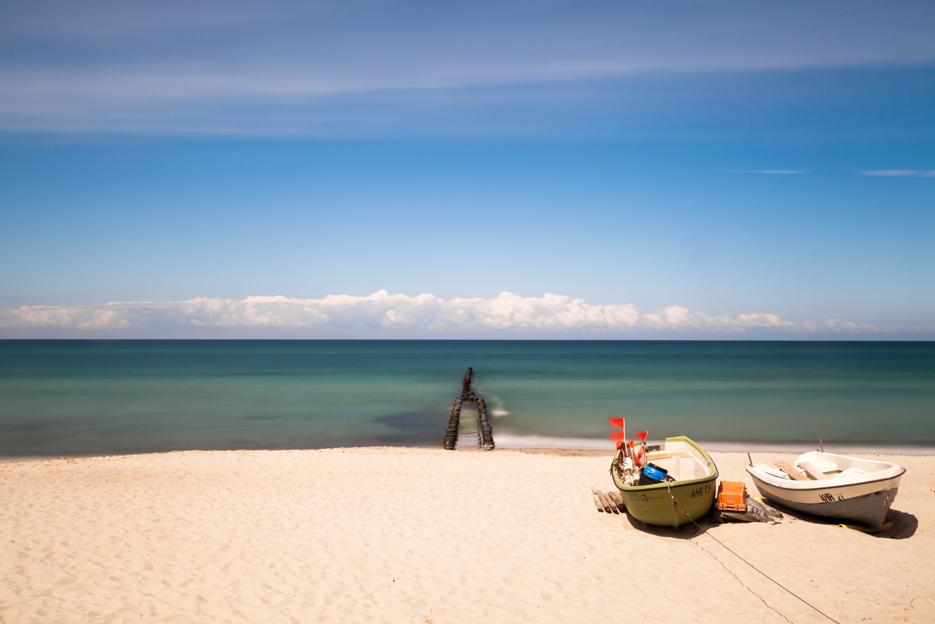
423 315
45 315
900 173
774 171
772 319
676 314
102 318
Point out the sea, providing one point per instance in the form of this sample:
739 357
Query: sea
107 397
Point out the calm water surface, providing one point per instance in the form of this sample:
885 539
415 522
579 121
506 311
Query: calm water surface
110 397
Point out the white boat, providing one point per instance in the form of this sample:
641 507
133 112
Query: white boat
859 491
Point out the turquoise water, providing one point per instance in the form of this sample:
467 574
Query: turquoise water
110 397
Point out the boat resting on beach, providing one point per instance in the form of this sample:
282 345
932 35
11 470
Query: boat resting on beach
686 498
859 491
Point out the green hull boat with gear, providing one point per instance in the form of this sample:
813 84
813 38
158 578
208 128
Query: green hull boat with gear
674 503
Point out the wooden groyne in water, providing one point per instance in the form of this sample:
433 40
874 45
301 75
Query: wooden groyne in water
484 430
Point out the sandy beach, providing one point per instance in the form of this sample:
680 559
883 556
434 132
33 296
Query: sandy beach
416 535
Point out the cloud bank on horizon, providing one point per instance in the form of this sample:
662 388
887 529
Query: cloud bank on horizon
423 316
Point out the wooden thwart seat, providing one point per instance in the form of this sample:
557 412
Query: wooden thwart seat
653 456
813 472
790 470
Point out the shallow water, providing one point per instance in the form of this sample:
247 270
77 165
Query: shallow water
110 397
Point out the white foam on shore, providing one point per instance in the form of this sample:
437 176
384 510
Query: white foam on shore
507 441
578 444
594 444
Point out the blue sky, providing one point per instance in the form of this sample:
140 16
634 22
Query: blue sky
638 158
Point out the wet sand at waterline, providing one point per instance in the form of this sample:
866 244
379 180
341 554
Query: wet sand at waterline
417 535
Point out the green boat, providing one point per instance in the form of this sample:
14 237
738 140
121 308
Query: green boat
674 503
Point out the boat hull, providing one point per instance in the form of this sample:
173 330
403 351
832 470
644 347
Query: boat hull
671 504
865 503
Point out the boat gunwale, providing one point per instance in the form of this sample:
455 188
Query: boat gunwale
805 486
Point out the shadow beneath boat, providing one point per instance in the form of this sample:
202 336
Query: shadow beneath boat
902 525
684 532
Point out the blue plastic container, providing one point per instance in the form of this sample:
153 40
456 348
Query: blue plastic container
650 475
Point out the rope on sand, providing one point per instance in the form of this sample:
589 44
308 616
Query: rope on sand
777 583
771 579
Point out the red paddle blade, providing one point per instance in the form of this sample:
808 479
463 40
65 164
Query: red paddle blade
642 435
616 422
619 445
617 435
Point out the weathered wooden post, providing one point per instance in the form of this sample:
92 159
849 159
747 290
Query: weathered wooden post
466 384
451 437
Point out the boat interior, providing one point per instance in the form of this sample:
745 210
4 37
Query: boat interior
817 466
681 460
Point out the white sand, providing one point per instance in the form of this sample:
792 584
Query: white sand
408 535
